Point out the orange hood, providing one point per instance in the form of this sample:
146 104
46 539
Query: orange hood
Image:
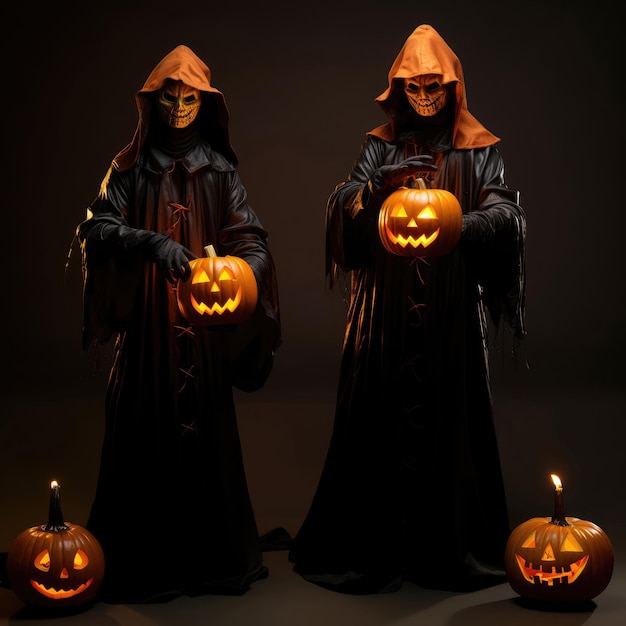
426 52
181 64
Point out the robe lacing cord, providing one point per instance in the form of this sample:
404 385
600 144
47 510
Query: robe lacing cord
184 330
180 212
187 374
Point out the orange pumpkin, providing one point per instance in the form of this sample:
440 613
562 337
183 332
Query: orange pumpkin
59 564
420 221
219 290
561 558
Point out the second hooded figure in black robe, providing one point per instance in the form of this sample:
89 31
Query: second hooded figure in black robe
412 487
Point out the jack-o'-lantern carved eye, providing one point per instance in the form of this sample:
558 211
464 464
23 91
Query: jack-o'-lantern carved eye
200 277
42 561
81 560
226 275
427 213
570 544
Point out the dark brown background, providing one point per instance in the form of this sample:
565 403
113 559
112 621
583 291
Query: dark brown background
300 81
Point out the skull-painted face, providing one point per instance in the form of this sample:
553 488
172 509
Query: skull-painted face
426 94
178 104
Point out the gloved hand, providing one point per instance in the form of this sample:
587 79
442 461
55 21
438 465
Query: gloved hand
172 258
389 177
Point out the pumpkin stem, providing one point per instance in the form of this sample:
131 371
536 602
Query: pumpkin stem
210 250
55 515
421 184
559 509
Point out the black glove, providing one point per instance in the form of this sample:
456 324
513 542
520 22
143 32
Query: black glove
172 258
389 177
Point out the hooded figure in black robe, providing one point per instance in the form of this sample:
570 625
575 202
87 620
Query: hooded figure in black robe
412 486
172 509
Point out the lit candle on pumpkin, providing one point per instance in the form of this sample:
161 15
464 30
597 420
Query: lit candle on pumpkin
559 508
55 516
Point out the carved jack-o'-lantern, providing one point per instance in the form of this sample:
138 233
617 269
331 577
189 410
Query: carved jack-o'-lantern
219 290
559 558
59 564
420 221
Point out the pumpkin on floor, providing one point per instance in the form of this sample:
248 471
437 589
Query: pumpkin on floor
59 564
558 559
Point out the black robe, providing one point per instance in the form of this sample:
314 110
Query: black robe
172 509
412 486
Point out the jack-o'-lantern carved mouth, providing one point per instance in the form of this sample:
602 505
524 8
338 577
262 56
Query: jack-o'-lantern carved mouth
552 567
550 574
60 594
423 240
230 305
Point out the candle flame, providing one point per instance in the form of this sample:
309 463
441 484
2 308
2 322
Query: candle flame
54 484
557 481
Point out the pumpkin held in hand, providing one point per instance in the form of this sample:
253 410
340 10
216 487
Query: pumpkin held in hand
219 290
561 558
420 222
60 564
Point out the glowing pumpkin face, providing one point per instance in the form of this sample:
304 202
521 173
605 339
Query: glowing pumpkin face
220 290
60 564
420 222
569 561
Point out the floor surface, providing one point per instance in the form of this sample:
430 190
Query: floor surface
285 599
284 446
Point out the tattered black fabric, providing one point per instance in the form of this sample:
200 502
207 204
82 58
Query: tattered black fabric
412 488
172 509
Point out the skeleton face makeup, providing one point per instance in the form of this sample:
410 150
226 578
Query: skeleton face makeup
178 104
426 94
